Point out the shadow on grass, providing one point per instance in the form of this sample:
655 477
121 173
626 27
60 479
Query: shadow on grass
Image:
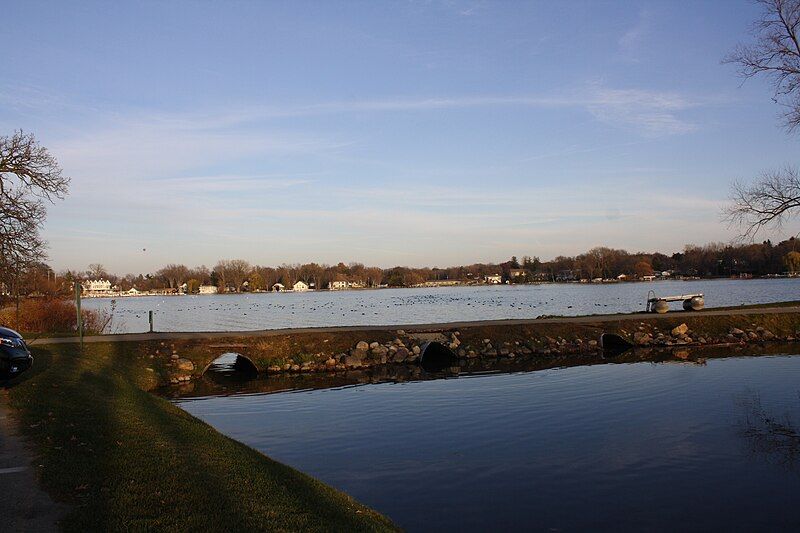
125 459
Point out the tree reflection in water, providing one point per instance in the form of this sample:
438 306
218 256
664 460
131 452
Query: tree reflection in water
774 439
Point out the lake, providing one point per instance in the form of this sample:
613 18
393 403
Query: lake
240 312
710 445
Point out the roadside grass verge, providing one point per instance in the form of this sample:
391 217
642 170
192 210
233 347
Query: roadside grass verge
125 459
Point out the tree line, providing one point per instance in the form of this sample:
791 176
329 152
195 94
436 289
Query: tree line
237 275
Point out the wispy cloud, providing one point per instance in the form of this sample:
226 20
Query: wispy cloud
631 41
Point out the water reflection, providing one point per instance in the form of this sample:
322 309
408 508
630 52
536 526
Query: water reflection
229 378
769 436
651 440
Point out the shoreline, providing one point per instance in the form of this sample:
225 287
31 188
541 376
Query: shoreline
755 309
180 358
443 286
157 459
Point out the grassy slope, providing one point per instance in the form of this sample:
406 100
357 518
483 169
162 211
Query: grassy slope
126 459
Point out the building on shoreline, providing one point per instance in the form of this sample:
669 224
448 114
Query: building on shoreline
208 289
300 286
97 287
494 279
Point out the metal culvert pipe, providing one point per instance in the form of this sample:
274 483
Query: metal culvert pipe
436 356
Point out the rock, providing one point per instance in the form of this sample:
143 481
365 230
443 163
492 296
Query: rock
593 343
641 338
379 350
678 331
401 332
487 341
760 329
295 368
768 336
362 346
736 331
185 364
400 355
752 335
352 362
175 357
358 354
373 345
330 362
416 349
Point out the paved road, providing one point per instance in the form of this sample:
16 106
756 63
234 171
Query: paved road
139 337
23 505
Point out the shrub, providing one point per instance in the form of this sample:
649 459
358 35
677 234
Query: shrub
52 315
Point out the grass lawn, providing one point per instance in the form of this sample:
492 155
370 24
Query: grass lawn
126 459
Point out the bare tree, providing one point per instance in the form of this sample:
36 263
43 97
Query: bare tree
769 201
29 177
97 271
774 196
776 54
233 272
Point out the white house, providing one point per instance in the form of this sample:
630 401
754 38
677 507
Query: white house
338 285
96 287
278 287
494 279
300 286
133 291
208 289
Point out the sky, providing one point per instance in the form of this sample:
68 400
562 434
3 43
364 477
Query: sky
391 133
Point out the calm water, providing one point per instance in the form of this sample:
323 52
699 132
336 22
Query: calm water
615 446
414 306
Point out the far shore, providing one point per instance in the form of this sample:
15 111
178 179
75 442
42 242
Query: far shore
161 293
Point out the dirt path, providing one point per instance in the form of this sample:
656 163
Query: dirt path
24 507
138 337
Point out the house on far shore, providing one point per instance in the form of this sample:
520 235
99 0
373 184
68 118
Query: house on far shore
133 291
300 286
338 285
96 287
648 278
517 272
494 279
208 289
622 277
279 287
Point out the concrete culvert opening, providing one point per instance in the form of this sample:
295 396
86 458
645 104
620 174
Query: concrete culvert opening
435 356
231 365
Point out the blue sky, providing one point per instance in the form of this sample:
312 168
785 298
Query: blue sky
409 132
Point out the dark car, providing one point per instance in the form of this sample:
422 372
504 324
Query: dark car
15 357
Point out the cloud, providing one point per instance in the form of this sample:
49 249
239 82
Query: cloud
630 42
651 113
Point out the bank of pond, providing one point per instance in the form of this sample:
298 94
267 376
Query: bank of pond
523 426
654 439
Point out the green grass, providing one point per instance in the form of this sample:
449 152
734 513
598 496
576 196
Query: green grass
126 459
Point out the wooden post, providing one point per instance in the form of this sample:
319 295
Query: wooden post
151 321
78 310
